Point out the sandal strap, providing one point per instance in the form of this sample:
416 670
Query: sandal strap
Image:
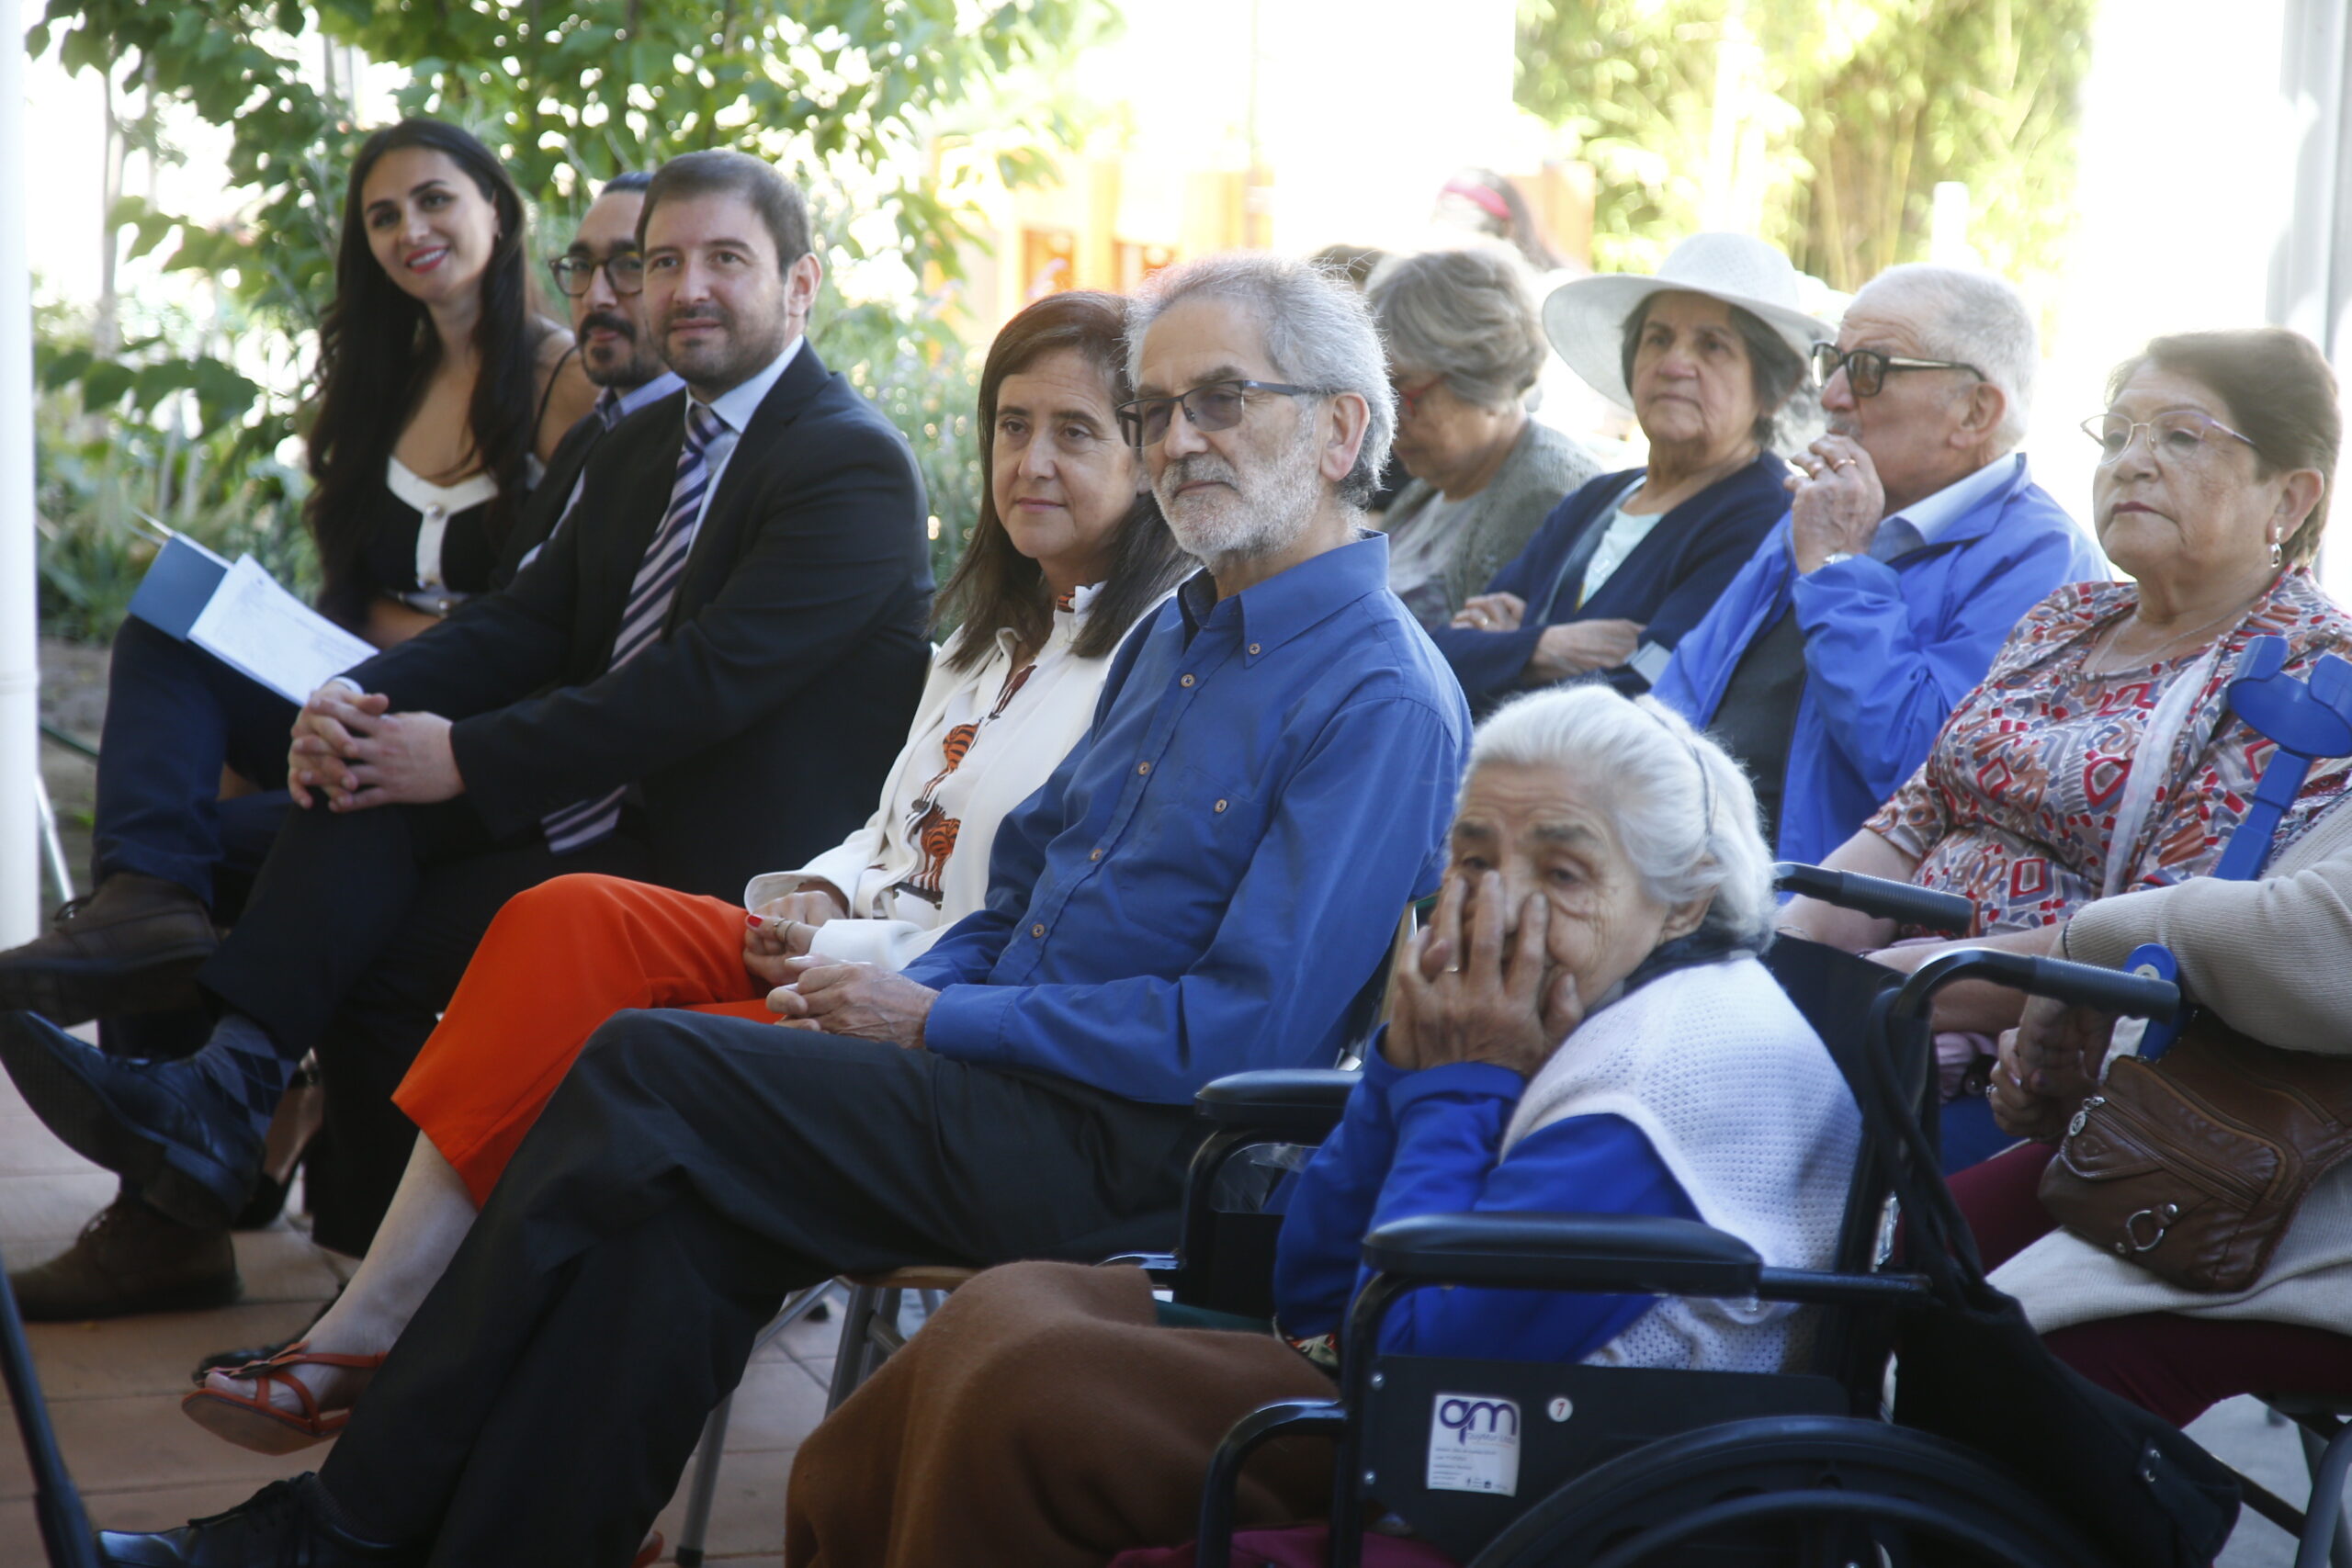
277 1370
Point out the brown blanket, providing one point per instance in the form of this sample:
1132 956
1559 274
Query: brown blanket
1042 1419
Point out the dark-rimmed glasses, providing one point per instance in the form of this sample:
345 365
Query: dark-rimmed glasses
1866 368
1214 405
624 269
2180 434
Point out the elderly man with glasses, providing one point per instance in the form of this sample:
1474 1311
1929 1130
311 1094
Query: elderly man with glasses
1203 886
1916 538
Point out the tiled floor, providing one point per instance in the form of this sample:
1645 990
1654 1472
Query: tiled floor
113 1388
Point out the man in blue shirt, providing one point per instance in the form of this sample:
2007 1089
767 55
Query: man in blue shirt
1203 886
1916 540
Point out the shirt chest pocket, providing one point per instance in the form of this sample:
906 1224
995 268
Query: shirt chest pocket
1189 821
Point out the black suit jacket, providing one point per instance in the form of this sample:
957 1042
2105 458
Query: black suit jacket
761 723
543 508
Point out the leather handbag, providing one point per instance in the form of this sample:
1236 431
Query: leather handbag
2193 1166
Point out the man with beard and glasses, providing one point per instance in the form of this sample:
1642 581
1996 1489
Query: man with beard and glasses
1202 887
1915 541
705 674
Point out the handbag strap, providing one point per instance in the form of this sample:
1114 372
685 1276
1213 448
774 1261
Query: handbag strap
2164 724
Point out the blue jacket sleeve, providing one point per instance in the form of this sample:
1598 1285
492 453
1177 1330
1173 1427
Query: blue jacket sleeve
1379 781
1731 541
1693 679
1330 1208
1883 688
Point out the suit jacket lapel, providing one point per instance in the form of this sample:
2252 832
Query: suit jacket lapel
645 462
713 550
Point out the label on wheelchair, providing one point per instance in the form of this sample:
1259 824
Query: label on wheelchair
1473 1444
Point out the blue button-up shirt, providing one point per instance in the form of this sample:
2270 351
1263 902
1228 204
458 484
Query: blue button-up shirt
1207 881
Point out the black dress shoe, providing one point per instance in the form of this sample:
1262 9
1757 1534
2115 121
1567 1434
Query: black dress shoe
162 1124
133 947
283 1525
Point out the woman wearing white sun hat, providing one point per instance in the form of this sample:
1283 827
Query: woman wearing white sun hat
1707 354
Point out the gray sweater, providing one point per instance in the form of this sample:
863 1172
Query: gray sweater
1490 528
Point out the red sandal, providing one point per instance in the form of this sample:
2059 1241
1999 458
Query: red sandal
252 1421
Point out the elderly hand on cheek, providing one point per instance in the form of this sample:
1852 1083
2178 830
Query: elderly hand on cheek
857 1000
1469 989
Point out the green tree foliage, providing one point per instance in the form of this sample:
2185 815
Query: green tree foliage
846 96
1824 124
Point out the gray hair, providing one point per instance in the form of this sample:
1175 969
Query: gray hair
1466 315
1317 329
1980 320
1682 809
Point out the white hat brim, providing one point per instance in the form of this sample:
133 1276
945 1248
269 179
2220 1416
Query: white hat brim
1585 322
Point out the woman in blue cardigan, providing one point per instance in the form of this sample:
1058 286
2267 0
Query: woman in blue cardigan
1707 354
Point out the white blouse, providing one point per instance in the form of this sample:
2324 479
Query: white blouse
936 825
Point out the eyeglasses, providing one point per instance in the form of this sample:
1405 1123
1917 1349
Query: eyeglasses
2180 434
1866 368
1408 399
624 269
1217 405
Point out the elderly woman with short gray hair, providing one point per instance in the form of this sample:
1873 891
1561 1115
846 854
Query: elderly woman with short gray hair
1708 354
1582 1026
1465 346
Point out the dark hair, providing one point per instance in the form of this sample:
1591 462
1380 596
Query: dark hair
1774 370
1354 263
378 352
995 585
777 200
2279 393
626 180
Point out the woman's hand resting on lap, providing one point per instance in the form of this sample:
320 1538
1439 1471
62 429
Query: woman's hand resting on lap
784 930
1466 990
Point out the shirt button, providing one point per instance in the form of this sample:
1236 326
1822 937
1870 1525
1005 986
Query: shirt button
1096 855
1143 767
1221 805
1253 647
1185 682
1037 929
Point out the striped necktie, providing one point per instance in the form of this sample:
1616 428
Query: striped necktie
577 826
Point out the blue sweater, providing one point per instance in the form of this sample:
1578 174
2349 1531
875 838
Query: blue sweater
1667 583
1425 1142
1890 648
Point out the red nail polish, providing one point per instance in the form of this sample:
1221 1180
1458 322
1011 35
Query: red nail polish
752 920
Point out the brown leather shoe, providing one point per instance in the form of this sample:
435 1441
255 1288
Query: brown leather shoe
130 1259
133 947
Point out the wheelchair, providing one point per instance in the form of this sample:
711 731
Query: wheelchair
1611 1467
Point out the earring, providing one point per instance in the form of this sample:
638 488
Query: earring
2277 555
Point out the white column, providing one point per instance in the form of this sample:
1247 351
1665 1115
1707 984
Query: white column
20 668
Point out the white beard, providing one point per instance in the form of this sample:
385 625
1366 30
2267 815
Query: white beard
1259 517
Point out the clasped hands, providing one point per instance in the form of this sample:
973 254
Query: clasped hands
1569 648
810 991
1835 501
1468 988
2049 1063
350 748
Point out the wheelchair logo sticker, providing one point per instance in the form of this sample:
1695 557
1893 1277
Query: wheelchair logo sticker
1473 1444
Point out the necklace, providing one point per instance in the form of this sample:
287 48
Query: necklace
2094 663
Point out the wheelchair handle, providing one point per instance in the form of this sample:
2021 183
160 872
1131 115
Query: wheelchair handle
2080 985
1876 896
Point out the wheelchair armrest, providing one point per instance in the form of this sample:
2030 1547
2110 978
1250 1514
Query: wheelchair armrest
1600 1254
1296 1104
1876 896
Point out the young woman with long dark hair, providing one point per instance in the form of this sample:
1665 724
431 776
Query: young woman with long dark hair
440 389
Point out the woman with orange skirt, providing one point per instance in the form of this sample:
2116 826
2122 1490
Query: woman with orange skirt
1068 553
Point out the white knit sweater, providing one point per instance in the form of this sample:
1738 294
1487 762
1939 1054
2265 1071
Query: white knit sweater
2274 958
1742 1102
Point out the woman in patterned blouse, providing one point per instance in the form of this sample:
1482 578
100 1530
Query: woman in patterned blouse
2099 753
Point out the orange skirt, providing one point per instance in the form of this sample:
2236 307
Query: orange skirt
561 959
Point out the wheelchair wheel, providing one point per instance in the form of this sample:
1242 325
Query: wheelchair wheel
1792 1492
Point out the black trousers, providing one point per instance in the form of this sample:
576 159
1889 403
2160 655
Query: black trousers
690 1172
357 932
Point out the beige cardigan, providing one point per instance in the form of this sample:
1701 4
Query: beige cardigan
2274 958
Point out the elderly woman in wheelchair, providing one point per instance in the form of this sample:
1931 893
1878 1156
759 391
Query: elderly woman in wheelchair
1582 1025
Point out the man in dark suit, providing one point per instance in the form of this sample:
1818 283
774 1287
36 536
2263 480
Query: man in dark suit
137 1261
705 674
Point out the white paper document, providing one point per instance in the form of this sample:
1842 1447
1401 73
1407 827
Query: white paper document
254 625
